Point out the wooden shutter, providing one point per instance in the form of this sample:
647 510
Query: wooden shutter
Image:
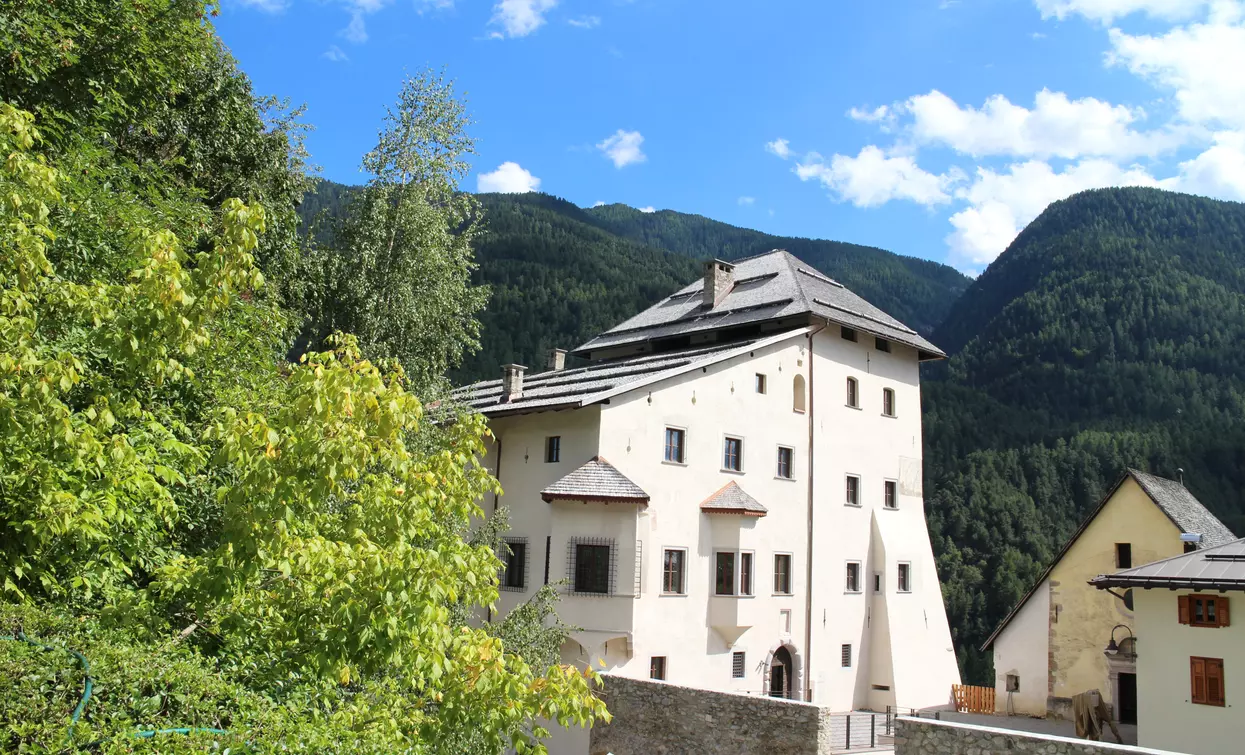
1183 611
1197 671
1214 681
1223 611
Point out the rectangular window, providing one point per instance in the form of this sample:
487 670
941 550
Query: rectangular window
724 574
888 402
760 383
737 665
881 344
889 500
877 582
782 574
848 334
905 578
853 576
657 667
592 567
514 559
1204 610
853 393
1123 555
745 573
785 456
847 656
672 571
1207 680
553 448
733 454
853 490
674 445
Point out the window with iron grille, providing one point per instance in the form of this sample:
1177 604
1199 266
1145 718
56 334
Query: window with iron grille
888 402
853 393
672 571
737 665
847 656
553 448
853 576
782 573
657 667
591 565
674 445
785 457
853 490
904 579
514 557
1207 680
733 454
724 573
889 499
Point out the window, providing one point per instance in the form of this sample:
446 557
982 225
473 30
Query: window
1207 679
553 448
761 383
782 574
877 581
889 499
797 394
513 555
1190 547
657 667
853 393
1013 683
592 567
737 665
848 334
672 571
905 578
881 344
733 454
853 490
724 574
1204 610
674 445
785 456
888 402
745 573
1123 555
847 656
853 576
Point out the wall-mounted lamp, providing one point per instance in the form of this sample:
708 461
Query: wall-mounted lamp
1112 647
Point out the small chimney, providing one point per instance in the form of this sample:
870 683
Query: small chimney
1180 476
512 382
719 279
557 359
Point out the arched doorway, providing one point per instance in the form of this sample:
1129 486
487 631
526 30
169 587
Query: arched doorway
780 673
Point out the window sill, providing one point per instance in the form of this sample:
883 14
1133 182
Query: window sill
797 411
783 595
674 463
857 408
502 588
854 505
672 595
853 592
748 597
904 592
784 479
890 416
731 471
890 508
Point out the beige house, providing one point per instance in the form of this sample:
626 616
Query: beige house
1189 655
1050 647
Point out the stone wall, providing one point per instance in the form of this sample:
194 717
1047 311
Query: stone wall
919 736
655 717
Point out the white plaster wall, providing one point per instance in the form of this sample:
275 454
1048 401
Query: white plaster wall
1022 648
1166 718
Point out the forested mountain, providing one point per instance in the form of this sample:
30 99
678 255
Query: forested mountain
1106 335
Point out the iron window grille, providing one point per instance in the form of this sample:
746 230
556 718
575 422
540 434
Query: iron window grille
737 665
553 449
733 454
889 499
853 490
847 656
782 573
785 457
514 555
592 564
673 571
675 445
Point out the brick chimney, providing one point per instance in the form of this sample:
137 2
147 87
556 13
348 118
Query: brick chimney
512 382
557 359
719 279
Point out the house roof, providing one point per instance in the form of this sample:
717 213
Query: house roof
731 499
1221 567
597 480
1172 498
581 386
767 287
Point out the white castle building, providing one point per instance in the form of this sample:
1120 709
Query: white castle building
731 492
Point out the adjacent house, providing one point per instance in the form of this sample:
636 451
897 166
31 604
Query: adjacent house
1189 656
1050 647
729 490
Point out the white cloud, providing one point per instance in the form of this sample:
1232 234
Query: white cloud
267 6
873 178
518 18
585 22
746 200
650 208
335 54
509 178
780 147
880 113
433 5
1219 171
356 30
598 203
1108 11
623 147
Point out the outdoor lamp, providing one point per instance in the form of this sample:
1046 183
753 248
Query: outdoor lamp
1112 647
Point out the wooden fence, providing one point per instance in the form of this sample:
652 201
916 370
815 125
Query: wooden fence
970 699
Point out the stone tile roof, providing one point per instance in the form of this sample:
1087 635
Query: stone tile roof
768 286
598 480
731 499
568 388
1218 568
1185 510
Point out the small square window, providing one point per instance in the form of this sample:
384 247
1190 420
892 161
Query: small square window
673 570
853 576
1013 683
881 344
553 449
889 499
737 665
853 490
733 454
785 458
905 578
848 334
657 667
782 574
675 446
1123 555
760 383
847 656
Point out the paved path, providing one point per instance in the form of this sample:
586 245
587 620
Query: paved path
1037 725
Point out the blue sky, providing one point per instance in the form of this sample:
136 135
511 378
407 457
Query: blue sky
935 128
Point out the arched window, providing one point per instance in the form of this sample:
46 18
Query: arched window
853 393
888 402
797 399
